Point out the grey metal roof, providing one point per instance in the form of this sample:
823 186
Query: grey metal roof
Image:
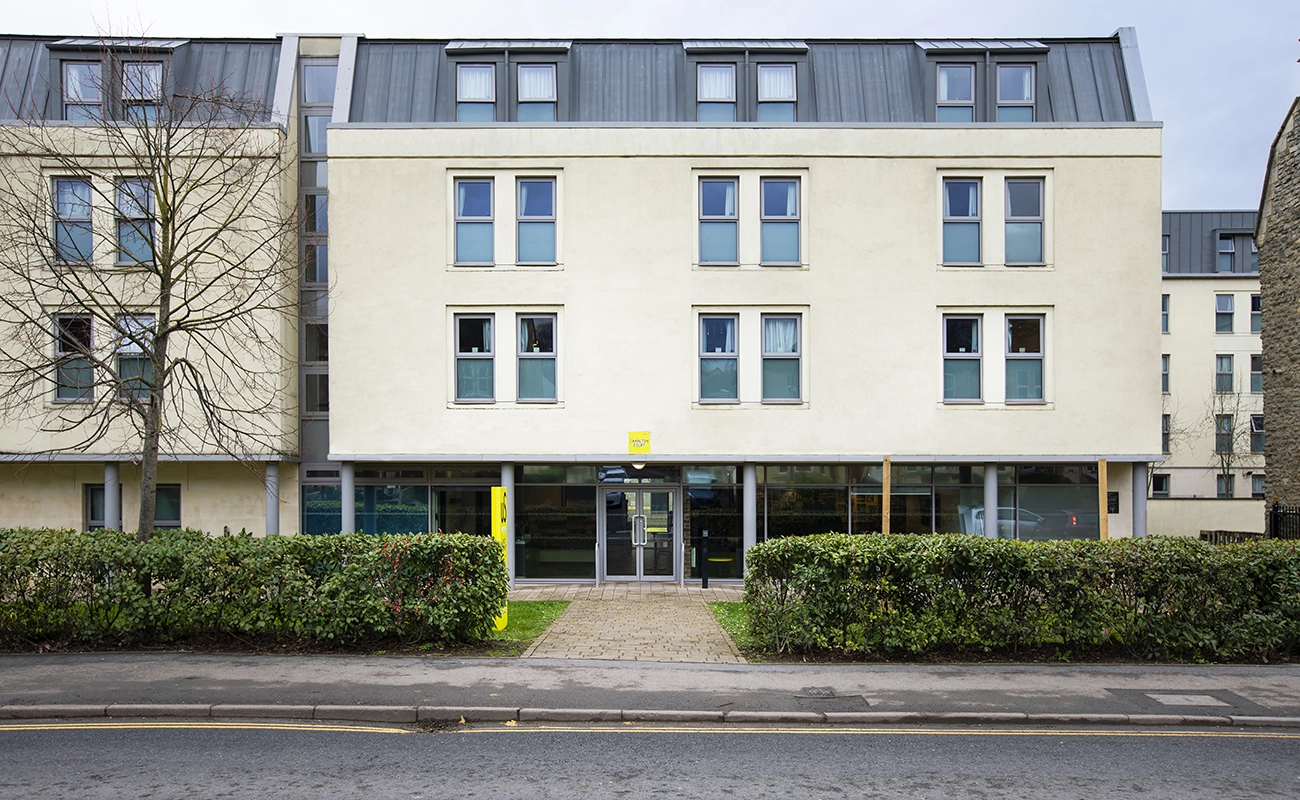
1086 82
94 42
980 44
398 82
23 86
244 68
868 82
509 44
1194 239
629 82
745 44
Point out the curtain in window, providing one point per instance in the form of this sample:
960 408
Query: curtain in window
73 199
717 82
720 335
718 199
961 199
1015 83
137 327
780 199
475 83
142 81
954 84
535 199
81 83
780 335
776 82
536 82
473 199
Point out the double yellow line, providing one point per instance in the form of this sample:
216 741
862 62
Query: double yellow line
247 726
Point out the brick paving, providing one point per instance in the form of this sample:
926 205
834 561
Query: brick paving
634 622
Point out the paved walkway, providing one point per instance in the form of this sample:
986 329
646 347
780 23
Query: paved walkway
634 622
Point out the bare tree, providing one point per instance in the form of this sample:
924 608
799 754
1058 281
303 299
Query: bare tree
1175 433
147 270
1227 420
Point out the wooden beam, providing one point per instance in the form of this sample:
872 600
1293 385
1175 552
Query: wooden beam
884 498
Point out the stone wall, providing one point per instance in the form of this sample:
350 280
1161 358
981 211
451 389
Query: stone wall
1278 239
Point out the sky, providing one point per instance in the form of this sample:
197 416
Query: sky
1220 75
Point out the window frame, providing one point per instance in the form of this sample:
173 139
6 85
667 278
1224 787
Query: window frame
491 65
1040 220
86 222
1159 480
134 101
124 349
1230 251
1040 357
1256 375
1225 486
761 102
976 355
458 355
977 220
168 524
765 218
1257 434
553 101
940 103
734 101
522 355
733 219
1224 380
68 102
521 219
733 356
1256 313
1165 435
1164 313
489 220
1224 433
142 218
1224 312
1164 373
796 356
1258 489
1031 104
1164 253
85 394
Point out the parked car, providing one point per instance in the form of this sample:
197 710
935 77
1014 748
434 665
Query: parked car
1078 523
1012 524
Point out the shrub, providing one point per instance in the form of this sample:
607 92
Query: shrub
87 587
1157 598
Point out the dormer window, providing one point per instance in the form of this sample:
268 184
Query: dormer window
537 94
1015 93
716 93
956 93
142 90
776 93
475 93
1227 249
83 95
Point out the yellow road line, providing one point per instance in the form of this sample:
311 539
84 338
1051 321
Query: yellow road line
847 731
268 726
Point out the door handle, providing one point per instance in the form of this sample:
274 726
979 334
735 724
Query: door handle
639 530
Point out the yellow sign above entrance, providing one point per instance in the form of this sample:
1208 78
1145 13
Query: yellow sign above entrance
638 443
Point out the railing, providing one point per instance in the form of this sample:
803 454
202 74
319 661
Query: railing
1229 537
1283 521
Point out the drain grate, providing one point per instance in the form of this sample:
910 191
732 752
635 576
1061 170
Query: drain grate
819 692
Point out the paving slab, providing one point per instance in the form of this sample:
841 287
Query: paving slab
658 626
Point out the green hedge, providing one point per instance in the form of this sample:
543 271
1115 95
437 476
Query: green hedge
1157 598
66 586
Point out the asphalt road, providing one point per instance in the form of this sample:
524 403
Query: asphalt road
165 760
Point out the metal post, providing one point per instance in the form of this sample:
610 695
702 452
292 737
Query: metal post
1140 498
991 526
704 558
750 510
347 476
508 482
112 496
272 498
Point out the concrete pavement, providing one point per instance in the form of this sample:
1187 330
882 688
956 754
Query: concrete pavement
405 689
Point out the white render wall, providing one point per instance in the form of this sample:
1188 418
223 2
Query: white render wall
628 294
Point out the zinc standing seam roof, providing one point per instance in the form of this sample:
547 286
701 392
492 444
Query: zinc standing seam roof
1193 238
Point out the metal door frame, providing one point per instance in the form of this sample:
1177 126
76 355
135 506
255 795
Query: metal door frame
678 573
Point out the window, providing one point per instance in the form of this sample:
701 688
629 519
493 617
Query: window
961 358
315 131
1226 249
716 93
780 221
83 92
318 83
1223 374
1223 313
316 213
134 363
474 375
536 357
1164 253
780 358
1256 433
1164 313
1257 374
956 93
1024 359
1164 434
537 95
961 221
718 221
317 393
94 505
142 90
72 230
474 221
476 92
74 378
1164 374
167 505
1160 485
1254 257
316 263
1257 487
316 345
718 358
134 204
1224 426
1025 221
1015 93
776 93
1256 313
1224 485
536 221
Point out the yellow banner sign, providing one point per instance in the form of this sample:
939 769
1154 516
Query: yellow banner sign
638 443
501 532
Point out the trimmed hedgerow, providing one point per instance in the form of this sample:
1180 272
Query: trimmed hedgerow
67 586
1155 598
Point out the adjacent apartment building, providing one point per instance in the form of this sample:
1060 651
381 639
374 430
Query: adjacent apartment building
1211 376
751 288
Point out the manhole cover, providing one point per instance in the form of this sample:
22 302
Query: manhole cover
818 691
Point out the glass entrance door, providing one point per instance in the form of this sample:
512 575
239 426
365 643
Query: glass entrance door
640 534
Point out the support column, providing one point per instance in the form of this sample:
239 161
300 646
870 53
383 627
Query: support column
1103 520
508 482
272 498
991 501
347 476
112 496
886 481
749 509
1140 498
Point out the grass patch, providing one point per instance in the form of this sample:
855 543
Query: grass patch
734 619
529 618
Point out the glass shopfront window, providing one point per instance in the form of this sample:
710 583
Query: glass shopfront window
392 509
718 510
555 532
463 509
322 509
